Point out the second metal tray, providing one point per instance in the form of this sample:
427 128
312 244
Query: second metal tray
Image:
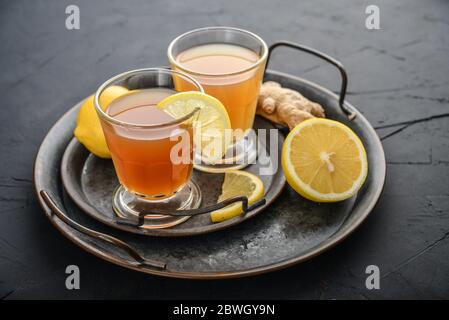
90 182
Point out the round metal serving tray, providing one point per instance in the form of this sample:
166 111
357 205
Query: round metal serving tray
289 231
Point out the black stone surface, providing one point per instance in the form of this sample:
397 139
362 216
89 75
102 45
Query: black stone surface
397 74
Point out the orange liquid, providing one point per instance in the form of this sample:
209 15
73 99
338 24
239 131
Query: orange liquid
142 156
215 62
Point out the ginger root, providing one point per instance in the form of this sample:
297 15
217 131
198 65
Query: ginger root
285 106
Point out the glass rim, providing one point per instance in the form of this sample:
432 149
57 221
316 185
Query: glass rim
115 78
173 61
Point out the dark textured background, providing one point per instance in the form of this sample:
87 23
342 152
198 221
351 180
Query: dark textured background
398 73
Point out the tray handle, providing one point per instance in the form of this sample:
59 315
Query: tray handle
344 77
138 259
246 207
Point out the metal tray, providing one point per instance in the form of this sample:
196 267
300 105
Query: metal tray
290 231
90 182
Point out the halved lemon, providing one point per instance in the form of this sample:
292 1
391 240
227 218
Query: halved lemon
237 183
324 160
213 121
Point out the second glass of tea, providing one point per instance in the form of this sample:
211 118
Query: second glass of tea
152 151
229 63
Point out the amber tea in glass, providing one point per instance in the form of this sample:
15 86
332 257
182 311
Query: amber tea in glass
229 63
142 162
152 151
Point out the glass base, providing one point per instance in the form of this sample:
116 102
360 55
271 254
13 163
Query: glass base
128 205
239 155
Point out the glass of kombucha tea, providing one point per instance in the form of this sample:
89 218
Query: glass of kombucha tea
229 63
152 152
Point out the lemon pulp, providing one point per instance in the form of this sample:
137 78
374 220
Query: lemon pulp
324 160
237 183
213 123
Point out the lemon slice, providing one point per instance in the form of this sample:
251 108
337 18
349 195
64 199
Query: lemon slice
237 183
88 129
212 124
324 160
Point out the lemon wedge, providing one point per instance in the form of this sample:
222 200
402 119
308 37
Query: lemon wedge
88 129
237 183
324 160
212 124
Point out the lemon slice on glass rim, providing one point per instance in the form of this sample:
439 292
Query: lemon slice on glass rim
324 160
213 125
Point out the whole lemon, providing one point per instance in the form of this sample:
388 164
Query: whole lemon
88 129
